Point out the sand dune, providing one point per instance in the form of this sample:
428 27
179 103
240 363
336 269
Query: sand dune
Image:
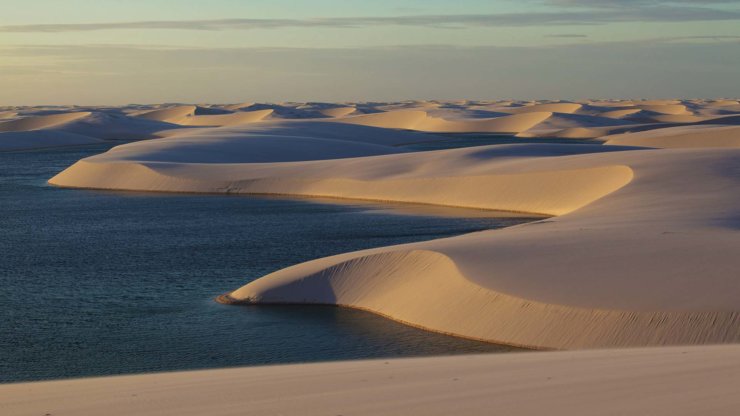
217 120
173 115
549 108
681 137
338 111
41 122
402 119
419 120
668 381
508 124
544 119
672 109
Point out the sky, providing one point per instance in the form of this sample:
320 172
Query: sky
98 52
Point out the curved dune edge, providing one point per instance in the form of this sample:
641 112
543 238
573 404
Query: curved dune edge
401 285
540 193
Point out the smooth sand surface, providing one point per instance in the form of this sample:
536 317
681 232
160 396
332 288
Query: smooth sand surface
667 381
641 248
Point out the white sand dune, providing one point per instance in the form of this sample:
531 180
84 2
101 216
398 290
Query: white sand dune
174 115
681 137
670 381
421 121
400 119
217 120
549 108
41 122
188 115
270 141
672 109
238 106
338 111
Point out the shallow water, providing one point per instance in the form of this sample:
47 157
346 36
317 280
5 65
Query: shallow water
100 283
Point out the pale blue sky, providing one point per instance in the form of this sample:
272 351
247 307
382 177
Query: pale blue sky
119 51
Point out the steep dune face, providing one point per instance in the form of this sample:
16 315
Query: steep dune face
41 122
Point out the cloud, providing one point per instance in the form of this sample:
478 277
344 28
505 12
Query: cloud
567 36
118 74
657 12
637 3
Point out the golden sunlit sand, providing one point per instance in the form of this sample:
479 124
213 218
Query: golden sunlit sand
668 381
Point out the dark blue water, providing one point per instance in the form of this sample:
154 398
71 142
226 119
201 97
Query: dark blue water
95 283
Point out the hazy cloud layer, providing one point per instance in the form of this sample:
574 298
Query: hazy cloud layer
638 3
656 12
114 74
